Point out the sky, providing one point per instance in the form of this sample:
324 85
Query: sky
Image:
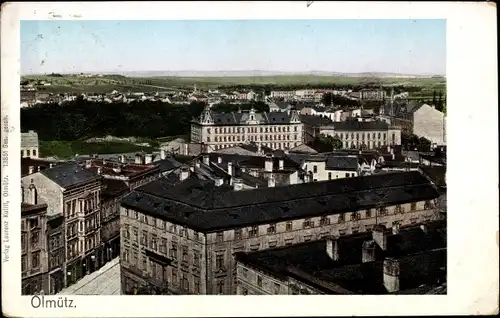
347 46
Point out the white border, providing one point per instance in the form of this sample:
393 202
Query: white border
472 168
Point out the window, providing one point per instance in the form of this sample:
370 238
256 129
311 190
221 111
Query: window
277 288
315 169
154 243
144 238
196 259
254 231
163 246
173 251
196 286
413 206
24 263
329 176
35 238
244 291
136 235
324 220
289 226
184 253
355 216
134 259
126 255
174 276
259 280
24 243
35 261
428 205
398 209
368 213
22 153
307 223
219 261
28 153
347 175
238 234
341 217
245 272
382 211
144 264
271 229
220 287
219 237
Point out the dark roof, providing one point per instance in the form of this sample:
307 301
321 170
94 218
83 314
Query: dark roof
310 263
315 121
113 188
27 208
355 125
167 164
69 174
341 163
37 164
202 206
243 161
240 118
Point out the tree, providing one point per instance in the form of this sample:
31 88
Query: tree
434 98
327 99
439 105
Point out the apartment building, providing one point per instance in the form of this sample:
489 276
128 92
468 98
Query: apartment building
285 95
74 192
29 145
180 235
277 130
363 135
398 260
372 94
34 258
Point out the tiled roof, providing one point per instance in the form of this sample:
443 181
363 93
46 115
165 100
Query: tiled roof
342 163
354 125
69 174
29 139
315 121
203 206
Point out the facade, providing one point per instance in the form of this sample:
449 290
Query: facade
277 130
286 95
29 145
34 258
363 135
181 235
328 167
372 94
56 253
74 192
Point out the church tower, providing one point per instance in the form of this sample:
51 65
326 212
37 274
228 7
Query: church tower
206 117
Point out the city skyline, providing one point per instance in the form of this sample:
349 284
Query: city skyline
412 47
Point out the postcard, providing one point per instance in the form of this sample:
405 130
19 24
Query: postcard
183 158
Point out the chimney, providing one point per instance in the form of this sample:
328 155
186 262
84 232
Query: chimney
219 159
237 184
50 165
37 168
103 162
230 168
271 183
99 170
392 151
149 159
186 149
393 155
388 149
259 148
395 228
32 194
206 160
88 164
268 165
31 169
380 236
423 227
281 164
368 251
163 154
332 249
138 159
391 275
184 173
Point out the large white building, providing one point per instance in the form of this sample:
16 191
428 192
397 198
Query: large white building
277 130
359 134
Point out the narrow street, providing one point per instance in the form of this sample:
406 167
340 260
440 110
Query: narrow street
105 281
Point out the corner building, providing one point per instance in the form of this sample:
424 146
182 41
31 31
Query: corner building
180 236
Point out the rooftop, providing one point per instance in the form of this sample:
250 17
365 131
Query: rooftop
69 174
310 263
111 168
29 139
355 125
201 205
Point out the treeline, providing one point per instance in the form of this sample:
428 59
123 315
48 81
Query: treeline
82 119
267 88
329 99
227 108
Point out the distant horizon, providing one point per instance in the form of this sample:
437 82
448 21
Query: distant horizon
407 47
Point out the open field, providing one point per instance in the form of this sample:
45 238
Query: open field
68 149
107 83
